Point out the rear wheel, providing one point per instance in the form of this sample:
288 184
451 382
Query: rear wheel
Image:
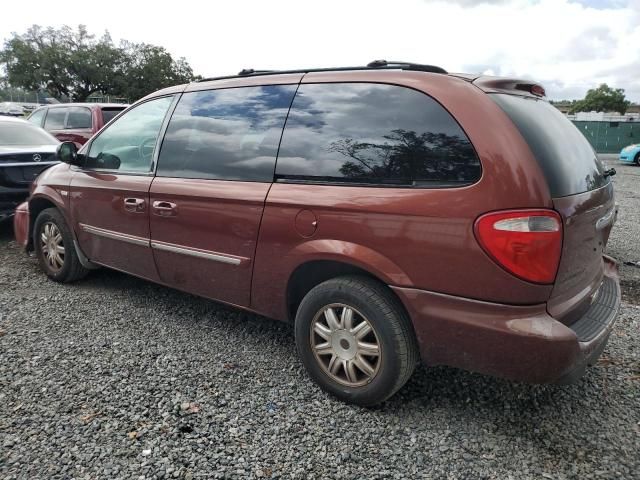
355 340
54 247
636 159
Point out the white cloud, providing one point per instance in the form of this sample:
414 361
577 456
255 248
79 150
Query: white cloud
571 46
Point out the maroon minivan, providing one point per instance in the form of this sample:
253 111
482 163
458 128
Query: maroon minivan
394 212
75 122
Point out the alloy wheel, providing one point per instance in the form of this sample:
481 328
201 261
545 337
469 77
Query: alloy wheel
345 345
52 246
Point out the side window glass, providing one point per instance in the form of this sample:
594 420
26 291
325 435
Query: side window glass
374 134
230 134
128 143
55 119
37 116
79 117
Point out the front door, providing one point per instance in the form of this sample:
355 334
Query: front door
110 194
214 171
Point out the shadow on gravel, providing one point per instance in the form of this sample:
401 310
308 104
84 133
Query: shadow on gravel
6 230
429 388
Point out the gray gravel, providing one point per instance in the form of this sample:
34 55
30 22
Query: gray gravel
115 377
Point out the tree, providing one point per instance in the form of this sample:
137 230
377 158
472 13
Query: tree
64 62
74 64
602 99
148 68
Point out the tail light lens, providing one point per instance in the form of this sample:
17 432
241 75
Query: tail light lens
526 243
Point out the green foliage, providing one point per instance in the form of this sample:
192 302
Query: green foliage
74 64
148 68
602 99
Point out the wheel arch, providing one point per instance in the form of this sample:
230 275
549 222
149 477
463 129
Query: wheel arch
312 273
37 204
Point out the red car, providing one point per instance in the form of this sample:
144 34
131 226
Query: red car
394 213
75 122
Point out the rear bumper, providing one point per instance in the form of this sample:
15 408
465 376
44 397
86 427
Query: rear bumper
521 343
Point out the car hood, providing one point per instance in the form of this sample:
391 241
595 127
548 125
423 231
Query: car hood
13 149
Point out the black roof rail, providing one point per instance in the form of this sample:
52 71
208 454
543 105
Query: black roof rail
406 66
375 65
251 71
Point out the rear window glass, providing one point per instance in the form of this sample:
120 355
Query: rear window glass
109 113
373 134
79 117
568 161
24 134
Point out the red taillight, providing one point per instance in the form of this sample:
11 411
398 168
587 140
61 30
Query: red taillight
526 243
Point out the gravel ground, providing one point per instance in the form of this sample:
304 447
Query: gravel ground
115 377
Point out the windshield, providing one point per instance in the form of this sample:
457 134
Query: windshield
568 161
24 134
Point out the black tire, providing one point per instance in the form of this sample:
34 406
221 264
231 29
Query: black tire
71 269
398 354
636 159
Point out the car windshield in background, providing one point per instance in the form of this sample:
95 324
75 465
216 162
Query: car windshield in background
109 113
568 161
24 134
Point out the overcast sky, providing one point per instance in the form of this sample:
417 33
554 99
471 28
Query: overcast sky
568 45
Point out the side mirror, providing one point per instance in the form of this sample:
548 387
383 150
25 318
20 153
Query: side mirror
67 152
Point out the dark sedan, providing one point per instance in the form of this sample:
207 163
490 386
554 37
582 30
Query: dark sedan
25 151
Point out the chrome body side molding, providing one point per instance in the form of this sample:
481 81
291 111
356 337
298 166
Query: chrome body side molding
193 252
101 232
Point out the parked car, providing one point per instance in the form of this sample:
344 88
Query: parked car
11 109
631 154
392 212
25 151
75 122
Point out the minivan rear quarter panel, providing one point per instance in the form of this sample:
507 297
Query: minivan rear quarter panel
411 237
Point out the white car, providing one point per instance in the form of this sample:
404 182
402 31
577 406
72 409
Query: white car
25 151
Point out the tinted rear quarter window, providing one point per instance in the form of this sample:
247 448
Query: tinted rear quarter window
566 158
110 112
365 133
227 134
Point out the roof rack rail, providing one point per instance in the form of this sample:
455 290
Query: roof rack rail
405 66
375 65
251 71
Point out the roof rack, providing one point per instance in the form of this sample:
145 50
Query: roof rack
375 65
250 71
406 66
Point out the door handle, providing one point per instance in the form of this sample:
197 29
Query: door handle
134 204
164 209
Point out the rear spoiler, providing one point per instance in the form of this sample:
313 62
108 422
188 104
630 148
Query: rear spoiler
513 86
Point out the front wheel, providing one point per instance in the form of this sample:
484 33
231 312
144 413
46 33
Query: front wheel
355 340
53 243
636 160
